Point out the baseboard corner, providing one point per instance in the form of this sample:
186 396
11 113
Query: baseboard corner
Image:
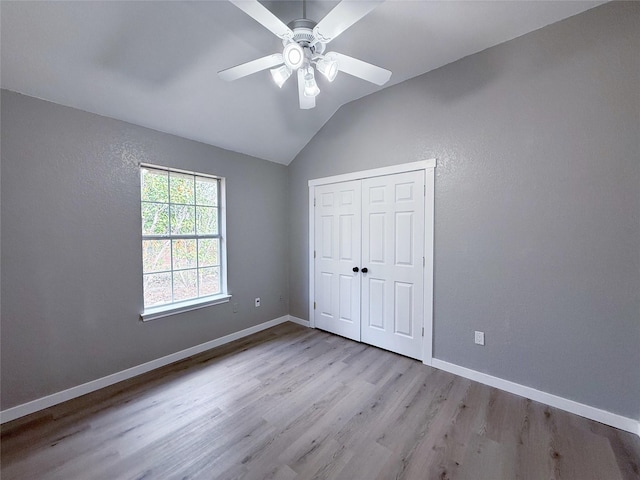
299 321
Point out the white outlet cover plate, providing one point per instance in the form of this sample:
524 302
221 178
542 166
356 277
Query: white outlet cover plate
479 338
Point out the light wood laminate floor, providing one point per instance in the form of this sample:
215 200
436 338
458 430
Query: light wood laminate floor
296 403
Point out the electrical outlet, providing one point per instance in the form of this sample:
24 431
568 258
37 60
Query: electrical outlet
479 338
257 302
235 308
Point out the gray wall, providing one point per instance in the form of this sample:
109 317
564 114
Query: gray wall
537 222
71 251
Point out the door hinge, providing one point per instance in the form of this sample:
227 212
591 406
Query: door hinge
314 307
424 262
314 202
423 331
425 191
314 254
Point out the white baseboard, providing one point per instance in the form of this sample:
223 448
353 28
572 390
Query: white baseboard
602 416
74 392
299 321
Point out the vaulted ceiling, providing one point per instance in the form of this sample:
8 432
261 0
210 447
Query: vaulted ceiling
155 64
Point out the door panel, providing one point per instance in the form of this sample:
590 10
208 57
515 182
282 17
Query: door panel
392 251
326 231
376 240
403 314
403 241
325 304
338 245
376 303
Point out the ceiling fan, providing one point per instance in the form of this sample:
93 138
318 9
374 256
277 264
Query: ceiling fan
304 44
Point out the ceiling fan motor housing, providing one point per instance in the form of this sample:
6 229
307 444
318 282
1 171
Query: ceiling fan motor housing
303 35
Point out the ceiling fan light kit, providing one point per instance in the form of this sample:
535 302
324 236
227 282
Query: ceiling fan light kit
293 55
304 44
280 74
310 86
328 67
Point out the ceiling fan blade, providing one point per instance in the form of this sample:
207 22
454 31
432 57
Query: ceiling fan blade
305 102
239 71
263 16
345 14
358 68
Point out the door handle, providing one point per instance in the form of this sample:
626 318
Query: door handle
356 269
365 270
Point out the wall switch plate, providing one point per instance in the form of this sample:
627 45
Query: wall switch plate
258 302
479 338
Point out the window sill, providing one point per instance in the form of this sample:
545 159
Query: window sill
154 313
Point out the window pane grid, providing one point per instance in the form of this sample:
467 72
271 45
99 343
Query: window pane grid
173 287
181 269
157 271
170 226
180 204
193 272
197 257
206 265
181 237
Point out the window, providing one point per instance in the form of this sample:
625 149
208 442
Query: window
183 252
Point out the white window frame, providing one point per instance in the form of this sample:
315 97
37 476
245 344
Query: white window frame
152 313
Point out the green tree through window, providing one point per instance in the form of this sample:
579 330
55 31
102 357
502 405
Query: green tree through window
181 238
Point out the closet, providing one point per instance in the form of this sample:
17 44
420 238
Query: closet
371 268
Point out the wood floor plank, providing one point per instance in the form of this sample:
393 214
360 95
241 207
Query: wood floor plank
293 403
432 457
535 455
493 459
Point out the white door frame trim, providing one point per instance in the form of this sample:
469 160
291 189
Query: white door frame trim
428 167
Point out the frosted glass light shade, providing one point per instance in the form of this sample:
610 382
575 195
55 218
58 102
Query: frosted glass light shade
328 67
280 74
293 55
310 86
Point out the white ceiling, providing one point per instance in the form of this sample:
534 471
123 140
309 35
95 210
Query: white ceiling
155 63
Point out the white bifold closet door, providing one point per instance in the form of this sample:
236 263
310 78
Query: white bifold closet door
375 224
337 253
392 251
